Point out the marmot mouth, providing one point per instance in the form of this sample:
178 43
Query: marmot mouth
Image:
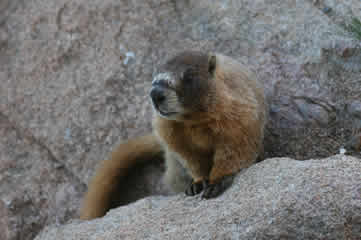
165 114
161 112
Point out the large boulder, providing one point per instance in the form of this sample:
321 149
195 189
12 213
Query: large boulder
279 198
36 189
75 77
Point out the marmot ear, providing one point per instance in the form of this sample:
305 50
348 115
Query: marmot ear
212 62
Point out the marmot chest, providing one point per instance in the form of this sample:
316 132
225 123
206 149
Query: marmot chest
188 141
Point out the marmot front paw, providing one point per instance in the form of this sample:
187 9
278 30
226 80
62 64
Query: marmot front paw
216 189
196 187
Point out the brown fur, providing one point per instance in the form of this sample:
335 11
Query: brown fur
215 137
104 184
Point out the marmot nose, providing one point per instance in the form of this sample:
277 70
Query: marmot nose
157 95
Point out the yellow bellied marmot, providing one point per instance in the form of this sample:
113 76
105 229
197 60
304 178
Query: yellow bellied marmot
209 124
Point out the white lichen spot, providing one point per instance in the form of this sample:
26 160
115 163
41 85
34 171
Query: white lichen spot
128 57
67 134
342 151
8 202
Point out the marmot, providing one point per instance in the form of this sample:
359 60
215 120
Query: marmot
208 124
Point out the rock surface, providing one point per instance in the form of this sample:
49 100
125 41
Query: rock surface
279 198
28 176
75 75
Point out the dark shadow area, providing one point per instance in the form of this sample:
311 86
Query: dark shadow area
143 180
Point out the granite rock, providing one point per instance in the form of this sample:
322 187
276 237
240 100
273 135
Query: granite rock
279 198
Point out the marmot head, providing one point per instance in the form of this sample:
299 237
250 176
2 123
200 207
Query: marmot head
182 87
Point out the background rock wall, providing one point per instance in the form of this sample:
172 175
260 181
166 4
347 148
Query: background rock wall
75 75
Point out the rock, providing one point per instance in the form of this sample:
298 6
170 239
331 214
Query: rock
75 77
339 11
278 198
354 144
6 8
35 188
354 108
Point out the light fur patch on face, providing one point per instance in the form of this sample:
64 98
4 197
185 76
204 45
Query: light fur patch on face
165 76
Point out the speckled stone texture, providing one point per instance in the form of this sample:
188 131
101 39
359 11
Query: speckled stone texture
74 79
279 198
